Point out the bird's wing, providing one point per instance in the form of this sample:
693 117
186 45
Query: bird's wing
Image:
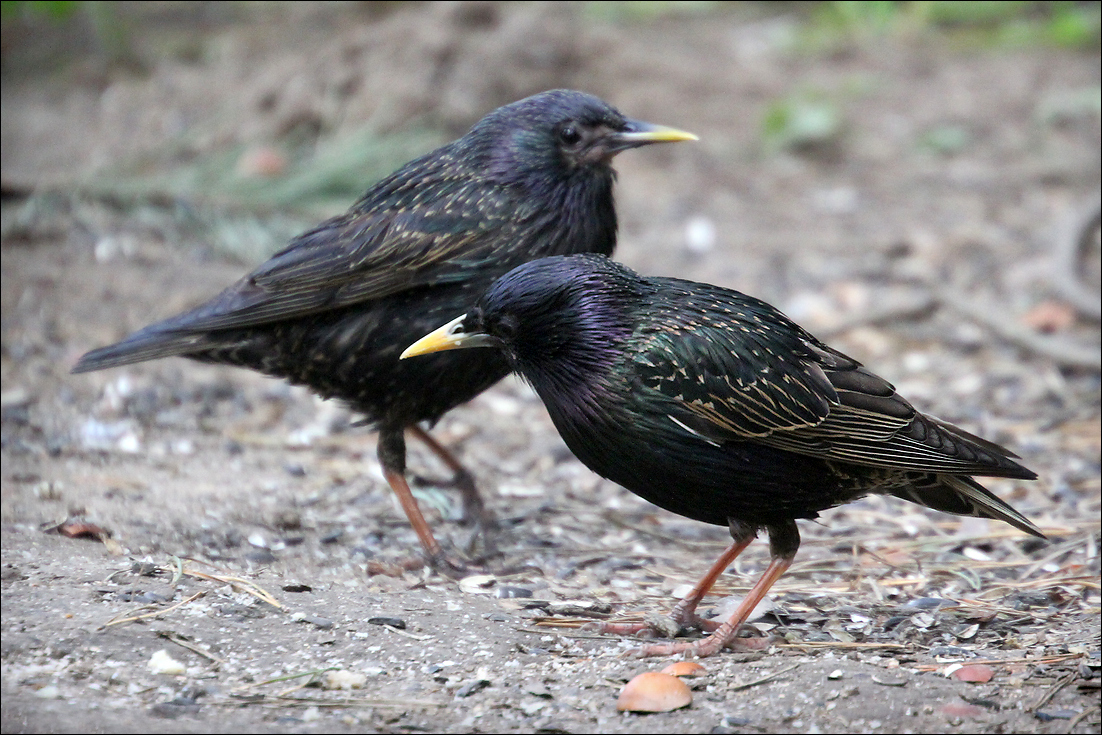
732 384
750 374
364 255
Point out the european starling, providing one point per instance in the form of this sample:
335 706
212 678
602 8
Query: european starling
333 310
714 405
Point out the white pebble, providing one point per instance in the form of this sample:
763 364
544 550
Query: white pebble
162 663
342 679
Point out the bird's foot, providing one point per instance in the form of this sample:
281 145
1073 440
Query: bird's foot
451 568
656 626
702 648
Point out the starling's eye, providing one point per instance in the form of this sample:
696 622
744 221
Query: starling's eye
570 135
506 327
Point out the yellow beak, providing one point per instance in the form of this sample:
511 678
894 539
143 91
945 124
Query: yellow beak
644 133
449 337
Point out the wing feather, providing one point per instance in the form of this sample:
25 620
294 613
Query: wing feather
732 384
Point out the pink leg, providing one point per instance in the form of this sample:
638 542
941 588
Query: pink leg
392 456
784 541
727 633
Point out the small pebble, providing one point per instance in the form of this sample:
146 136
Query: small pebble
507 592
471 687
392 622
685 668
962 710
302 617
48 692
342 679
162 663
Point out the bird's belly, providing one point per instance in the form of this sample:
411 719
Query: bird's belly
353 356
699 480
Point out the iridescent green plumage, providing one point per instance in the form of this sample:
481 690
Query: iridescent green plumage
714 405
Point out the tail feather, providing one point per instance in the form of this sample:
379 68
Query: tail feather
147 344
965 497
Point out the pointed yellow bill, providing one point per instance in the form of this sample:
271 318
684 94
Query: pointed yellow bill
448 337
644 133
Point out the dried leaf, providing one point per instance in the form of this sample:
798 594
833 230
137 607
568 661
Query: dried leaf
653 691
83 529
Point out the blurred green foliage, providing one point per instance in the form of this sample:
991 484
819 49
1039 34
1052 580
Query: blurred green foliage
109 21
802 121
994 23
321 182
983 23
645 10
324 175
54 9
945 139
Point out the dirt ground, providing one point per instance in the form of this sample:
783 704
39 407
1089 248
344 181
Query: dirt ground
252 537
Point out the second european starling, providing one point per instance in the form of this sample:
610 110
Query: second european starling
333 310
714 405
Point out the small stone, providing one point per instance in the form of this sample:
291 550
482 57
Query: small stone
296 587
1055 714
342 679
930 603
471 687
392 622
162 663
478 584
974 673
507 592
302 617
261 162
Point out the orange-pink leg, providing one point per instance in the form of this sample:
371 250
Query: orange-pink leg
784 541
392 457
727 633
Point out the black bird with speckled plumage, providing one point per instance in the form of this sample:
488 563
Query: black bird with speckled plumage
714 405
334 309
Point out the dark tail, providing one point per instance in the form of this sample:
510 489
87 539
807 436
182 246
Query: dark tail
147 344
963 496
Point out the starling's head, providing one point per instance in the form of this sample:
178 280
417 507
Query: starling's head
559 132
564 311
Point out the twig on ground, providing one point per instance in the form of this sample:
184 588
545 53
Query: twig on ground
179 641
1062 682
762 680
286 677
1082 716
155 613
242 585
